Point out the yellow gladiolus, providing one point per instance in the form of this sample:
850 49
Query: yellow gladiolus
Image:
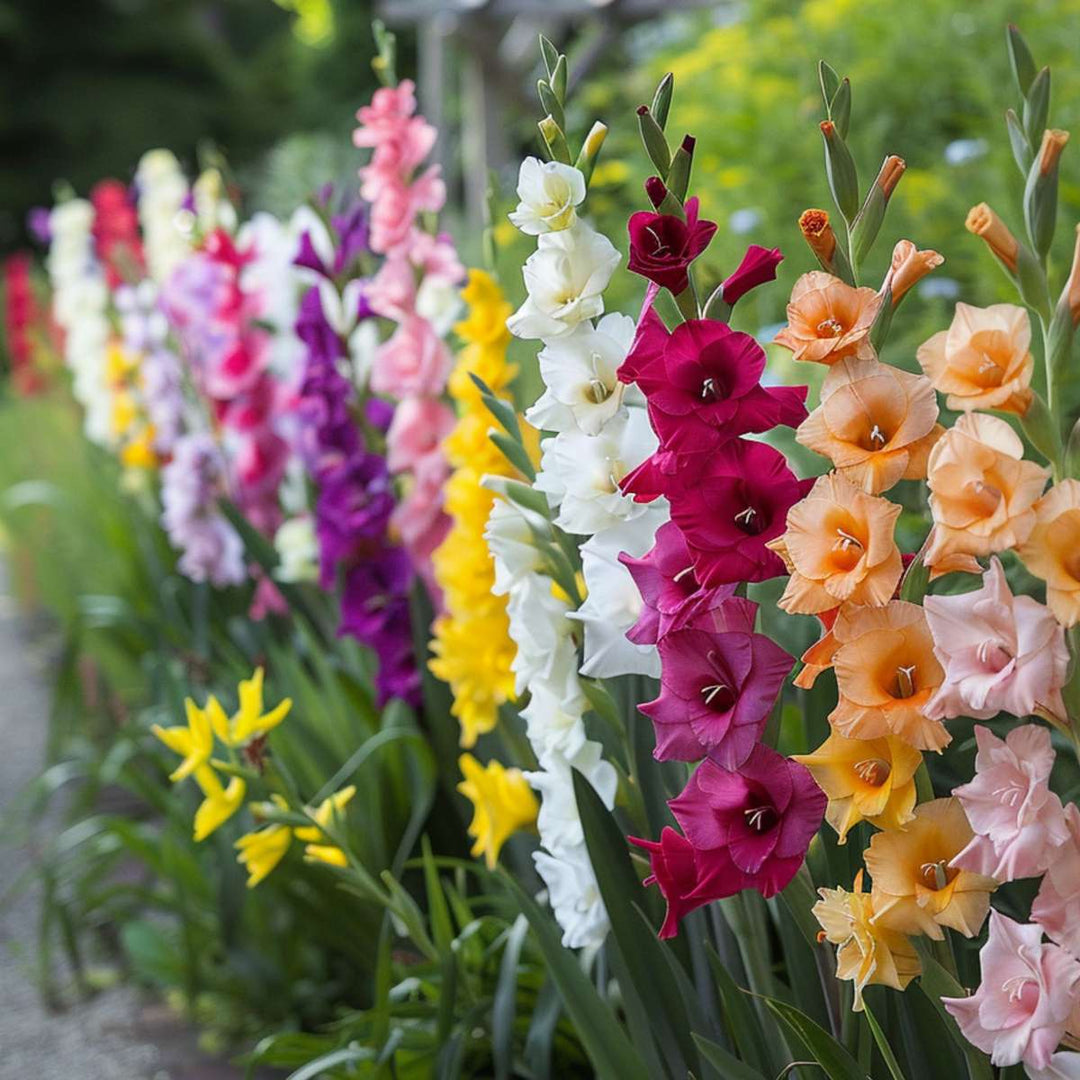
502 802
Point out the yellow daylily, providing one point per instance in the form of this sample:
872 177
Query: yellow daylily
314 836
502 802
194 743
220 803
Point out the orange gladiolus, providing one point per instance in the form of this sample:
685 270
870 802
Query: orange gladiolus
1052 550
909 266
983 361
981 489
875 423
838 547
828 319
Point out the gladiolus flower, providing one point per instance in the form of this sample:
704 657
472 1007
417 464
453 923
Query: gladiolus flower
718 684
917 890
669 588
865 780
662 246
1050 549
261 851
1027 999
876 424
548 194
674 868
908 267
729 507
1053 142
838 548
981 489
757 267
892 168
828 320
250 721
752 827
818 234
1001 653
983 361
1057 907
982 221
1070 295
502 802
867 953
886 672
703 381
1018 821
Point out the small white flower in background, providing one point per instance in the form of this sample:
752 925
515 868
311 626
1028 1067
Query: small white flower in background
565 278
613 603
298 550
580 473
744 221
438 301
574 896
554 723
558 821
548 192
580 372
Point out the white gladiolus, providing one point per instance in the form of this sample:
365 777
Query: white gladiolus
558 822
438 301
166 225
298 550
580 473
565 278
580 372
613 603
574 896
548 194
554 719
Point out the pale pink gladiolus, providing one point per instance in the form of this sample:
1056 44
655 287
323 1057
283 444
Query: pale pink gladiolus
1057 907
392 291
418 428
413 363
1019 822
1027 999
1000 652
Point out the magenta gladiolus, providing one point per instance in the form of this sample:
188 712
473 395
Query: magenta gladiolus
673 862
718 685
757 267
702 382
752 827
662 246
1027 998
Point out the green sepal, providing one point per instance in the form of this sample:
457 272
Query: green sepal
656 145
1020 59
550 103
554 140
829 82
840 108
1040 205
558 79
840 170
1041 430
1018 140
550 55
661 104
1036 107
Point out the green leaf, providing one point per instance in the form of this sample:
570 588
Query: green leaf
652 136
729 1066
642 952
832 1056
742 1021
603 1037
550 55
840 107
830 83
1020 59
661 104
505 1002
1036 107
321 1065
514 452
558 79
550 103
883 1046
545 1019
503 411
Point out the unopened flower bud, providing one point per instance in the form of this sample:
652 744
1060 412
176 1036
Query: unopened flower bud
1070 295
818 233
982 221
892 168
1053 142
655 189
909 266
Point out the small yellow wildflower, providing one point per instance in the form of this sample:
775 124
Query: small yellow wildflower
194 743
314 836
220 803
502 802
250 720
261 850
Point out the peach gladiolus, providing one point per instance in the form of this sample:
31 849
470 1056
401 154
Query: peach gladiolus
886 672
838 547
866 780
828 319
1052 550
908 267
875 423
983 221
983 361
917 890
981 489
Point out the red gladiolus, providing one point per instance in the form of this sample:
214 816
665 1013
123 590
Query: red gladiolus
662 246
757 267
673 862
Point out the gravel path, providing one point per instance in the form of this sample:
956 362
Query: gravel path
116 1035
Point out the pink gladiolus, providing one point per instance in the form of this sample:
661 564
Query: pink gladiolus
1001 653
751 828
391 293
1057 907
1018 821
413 363
1027 997
670 592
419 427
718 685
